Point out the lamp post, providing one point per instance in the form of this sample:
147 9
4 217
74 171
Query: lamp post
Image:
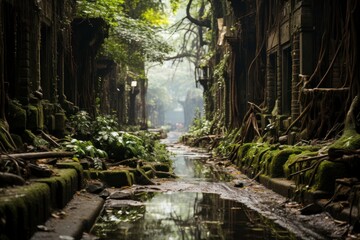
133 85
132 107
202 75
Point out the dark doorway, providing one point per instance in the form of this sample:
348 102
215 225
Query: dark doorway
271 80
45 61
9 20
286 81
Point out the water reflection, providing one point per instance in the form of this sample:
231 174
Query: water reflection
185 215
194 169
191 216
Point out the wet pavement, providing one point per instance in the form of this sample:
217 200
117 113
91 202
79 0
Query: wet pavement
204 204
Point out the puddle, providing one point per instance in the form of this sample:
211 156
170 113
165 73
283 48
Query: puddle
190 216
187 208
196 169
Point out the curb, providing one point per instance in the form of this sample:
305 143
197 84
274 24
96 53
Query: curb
287 188
80 215
24 208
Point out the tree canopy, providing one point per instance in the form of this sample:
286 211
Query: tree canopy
135 27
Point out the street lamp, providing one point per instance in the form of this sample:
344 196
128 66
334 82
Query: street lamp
202 74
133 85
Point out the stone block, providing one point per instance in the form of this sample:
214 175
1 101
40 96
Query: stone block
60 119
35 117
76 166
22 209
63 185
118 178
162 167
17 118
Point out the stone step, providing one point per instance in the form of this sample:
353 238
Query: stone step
77 217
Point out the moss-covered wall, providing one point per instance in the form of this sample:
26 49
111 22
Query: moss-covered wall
32 70
23 208
308 166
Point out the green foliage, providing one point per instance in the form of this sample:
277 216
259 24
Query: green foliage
220 68
154 150
120 145
227 143
200 126
133 34
132 41
175 4
105 123
104 139
106 9
84 148
81 125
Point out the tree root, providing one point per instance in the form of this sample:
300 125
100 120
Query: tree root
7 179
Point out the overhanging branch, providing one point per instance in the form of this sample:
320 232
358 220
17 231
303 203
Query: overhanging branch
202 23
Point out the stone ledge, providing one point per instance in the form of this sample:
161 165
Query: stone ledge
112 178
281 186
23 208
287 188
62 186
80 215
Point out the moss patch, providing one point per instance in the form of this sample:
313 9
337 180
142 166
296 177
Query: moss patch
326 175
257 162
350 140
291 166
35 117
116 178
22 209
242 152
113 178
278 161
266 161
249 156
31 138
62 186
76 166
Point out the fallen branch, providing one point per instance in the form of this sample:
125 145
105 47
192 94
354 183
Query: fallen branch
317 164
161 174
40 171
10 179
306 169
345 158
37 155
131 162
307 159
49 139
207 137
